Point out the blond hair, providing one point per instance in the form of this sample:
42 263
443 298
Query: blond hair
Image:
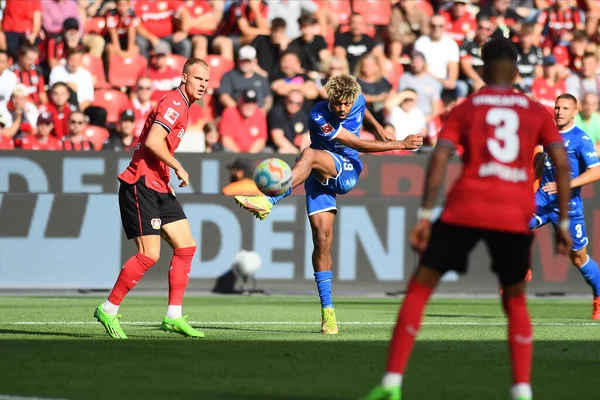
359 66
193 61
342 88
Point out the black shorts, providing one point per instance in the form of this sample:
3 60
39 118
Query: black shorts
144 211
450 245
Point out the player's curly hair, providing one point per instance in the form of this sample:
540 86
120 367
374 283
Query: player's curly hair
342 87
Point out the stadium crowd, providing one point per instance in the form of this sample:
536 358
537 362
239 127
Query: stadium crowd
83 75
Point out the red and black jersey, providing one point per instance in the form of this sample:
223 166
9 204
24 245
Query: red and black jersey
35 142
33 79
57 47
77 144
6 143
240 9
121 23
557 21
60 118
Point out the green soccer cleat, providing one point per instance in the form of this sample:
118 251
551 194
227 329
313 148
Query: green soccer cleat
182 326
382 393
260 206
112 323
328 322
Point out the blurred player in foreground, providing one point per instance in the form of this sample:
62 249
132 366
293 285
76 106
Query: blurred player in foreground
585 169
491 201
149 208
331 166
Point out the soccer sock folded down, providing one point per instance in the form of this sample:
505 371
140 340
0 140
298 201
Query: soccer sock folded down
130 275
520 338
179 274
591 274
323 280
276 199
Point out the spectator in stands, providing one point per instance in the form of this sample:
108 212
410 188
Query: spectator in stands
404 115
530 58
571 56
527 9
212 138
55 12
442 55
21 24
375 87
60 108
245 77
500 13
158 19
288 127
291 12
43 138
6 142
93 39
588 118
427 87
557 23
269 48
408 22
587 81
58 46
77 78
460 23
140 102
244 128
355 43
75 139
121 26
163 76
291 78
29 74
19 114
331 67
123 137
203 25
310 47
8 79
470 55
546 88
243 21
241 182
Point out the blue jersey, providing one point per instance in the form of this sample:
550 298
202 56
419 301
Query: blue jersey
324 126
581 155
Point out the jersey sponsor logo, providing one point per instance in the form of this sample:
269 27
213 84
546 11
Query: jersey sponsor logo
327 128
503 172
171 115
591 154
155 222
181 133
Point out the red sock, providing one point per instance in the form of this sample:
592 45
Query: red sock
407 326
179 274
130 275
520 338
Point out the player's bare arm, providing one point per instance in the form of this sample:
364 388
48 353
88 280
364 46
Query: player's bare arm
558 155
591 175
538 165
371 146
382 134
156 143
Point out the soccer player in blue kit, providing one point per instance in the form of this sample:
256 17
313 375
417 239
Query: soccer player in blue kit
331 166
585 169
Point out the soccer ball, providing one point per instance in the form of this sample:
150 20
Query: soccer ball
273 176
246 263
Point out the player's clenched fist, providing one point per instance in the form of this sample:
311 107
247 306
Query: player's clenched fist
412 142
419 236
183 176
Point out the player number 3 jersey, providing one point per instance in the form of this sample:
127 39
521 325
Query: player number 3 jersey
499 130
171 112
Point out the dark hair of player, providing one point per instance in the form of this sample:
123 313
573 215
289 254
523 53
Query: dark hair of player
500 62
567 96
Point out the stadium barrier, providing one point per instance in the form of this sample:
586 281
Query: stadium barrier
60 228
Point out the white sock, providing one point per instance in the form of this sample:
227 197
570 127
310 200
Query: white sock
521 390
174 311
110 308
391 380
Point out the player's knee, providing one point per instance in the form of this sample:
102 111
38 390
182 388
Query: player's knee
151 252
307 155
322 239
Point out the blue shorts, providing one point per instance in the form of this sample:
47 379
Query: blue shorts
577 230
320 196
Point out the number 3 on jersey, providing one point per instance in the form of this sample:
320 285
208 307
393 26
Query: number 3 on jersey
504 146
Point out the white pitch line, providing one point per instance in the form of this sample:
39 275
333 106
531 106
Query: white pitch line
9 397
217 323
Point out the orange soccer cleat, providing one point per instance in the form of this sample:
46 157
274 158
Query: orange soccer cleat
596 310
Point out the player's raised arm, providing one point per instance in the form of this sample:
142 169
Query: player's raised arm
372 146
157 144
381 133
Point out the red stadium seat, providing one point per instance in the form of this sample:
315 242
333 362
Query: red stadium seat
95 25
375 12
218 67
176 61
339 9
96 68
124 72
113 101
97 135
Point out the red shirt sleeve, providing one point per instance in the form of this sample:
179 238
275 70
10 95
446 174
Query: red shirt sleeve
451 129
169 113
549 132
263 125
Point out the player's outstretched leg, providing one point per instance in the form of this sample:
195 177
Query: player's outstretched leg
590 272
179 236
405 333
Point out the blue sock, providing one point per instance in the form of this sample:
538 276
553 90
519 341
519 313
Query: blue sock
591 274
276 199
323 280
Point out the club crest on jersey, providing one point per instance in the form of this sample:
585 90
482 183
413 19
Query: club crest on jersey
171 115
155 223
327 128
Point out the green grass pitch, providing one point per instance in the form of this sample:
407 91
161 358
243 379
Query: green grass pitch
269 348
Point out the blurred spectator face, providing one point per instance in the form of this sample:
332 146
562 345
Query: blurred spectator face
357 25
73 37
501 5
74 61
438 27
211 136
290 65
527 39
144 90
294 102
369 68
590 104
27 60
307 31
336 67
561 4
237 174
550 71
76 122
578 46
247 65
3 62
409 103
127 128
247 108
123 6
44 129
60 96
159 61
459 8
484 30
417 64
588 67
18 99
278 35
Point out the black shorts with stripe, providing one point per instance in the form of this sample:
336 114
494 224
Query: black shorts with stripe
144 211
450 245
